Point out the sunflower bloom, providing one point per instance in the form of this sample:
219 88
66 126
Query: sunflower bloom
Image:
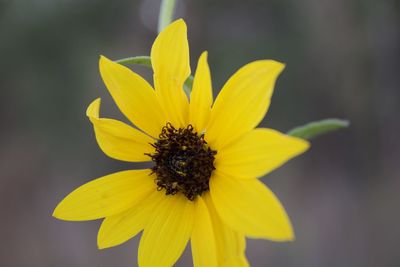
206 156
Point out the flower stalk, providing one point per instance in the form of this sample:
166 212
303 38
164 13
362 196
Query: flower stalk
166 13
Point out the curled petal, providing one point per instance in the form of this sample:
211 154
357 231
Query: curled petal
117 139
134 96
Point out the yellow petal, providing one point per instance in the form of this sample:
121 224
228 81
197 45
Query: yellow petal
167 232
170 61
201 97
203 244
105 196
242 102
257 153
134 96
117 139
230 244
121 227
249 207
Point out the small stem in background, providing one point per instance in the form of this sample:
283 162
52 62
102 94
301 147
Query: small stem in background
316 128
166 14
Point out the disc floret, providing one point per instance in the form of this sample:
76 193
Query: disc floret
183 161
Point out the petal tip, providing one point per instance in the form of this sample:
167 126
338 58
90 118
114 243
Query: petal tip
282 66
101 240
291 236
306 145
93 109
302 145
286 235
105 62
102 60
204 56
57 213
277 66
101 244
179 22
101 247
288 232
270 66
62 211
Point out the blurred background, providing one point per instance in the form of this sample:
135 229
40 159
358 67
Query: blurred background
343 60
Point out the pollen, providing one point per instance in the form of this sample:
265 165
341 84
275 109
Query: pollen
183 161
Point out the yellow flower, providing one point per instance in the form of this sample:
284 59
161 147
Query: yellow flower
203 185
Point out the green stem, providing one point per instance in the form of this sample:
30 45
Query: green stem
166 14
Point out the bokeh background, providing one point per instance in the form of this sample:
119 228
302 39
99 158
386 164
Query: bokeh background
343 60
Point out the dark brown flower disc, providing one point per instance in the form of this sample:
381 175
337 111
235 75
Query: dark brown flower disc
183 161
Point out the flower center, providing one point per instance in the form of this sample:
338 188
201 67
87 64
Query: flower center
183 161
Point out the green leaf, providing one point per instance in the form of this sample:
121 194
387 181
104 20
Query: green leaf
146 61
314 129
